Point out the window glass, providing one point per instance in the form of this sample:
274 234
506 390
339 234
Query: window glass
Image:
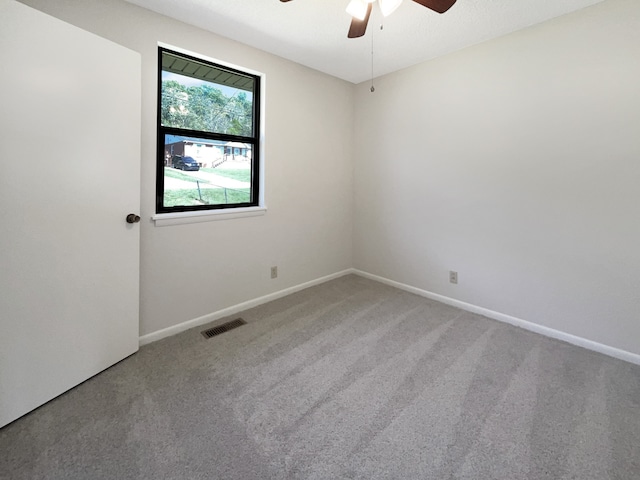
207 135
206 172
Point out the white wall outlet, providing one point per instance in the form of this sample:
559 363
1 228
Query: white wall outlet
453 277
274 272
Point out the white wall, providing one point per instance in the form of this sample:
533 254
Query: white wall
192 270
516 163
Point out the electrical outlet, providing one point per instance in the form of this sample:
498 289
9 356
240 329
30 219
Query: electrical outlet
274 272
453 277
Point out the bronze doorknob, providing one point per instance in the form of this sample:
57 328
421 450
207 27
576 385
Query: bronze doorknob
133 218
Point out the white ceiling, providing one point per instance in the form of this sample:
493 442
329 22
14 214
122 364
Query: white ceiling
314 32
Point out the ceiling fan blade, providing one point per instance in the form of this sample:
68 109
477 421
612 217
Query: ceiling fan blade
285 0
359 27
439 6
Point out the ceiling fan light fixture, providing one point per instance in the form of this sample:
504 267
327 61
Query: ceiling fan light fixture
387 7
358 8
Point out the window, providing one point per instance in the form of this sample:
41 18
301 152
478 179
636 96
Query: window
208 135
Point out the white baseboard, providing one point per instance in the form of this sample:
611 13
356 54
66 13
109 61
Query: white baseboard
518 322
210 317
501 317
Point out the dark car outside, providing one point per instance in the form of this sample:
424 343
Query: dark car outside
185 163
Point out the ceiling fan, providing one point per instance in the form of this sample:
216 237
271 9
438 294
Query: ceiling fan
360 10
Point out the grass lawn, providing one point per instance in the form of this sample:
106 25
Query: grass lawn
210 196
240 174
169 172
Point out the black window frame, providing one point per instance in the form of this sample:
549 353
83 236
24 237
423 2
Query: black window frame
253 140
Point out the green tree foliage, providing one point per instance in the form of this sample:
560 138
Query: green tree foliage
205 108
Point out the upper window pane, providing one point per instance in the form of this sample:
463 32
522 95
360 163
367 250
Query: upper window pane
207 98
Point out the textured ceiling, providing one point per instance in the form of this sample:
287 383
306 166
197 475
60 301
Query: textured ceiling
314 32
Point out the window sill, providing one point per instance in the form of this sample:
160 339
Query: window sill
181 218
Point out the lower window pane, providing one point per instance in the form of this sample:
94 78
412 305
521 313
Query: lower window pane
206 172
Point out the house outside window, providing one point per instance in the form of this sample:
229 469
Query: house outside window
208 135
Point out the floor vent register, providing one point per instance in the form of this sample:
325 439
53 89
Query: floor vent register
225 327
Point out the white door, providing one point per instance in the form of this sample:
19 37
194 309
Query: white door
69 175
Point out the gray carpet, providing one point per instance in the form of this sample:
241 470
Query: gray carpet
347 380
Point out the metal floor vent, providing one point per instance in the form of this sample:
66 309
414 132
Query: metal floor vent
225 327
